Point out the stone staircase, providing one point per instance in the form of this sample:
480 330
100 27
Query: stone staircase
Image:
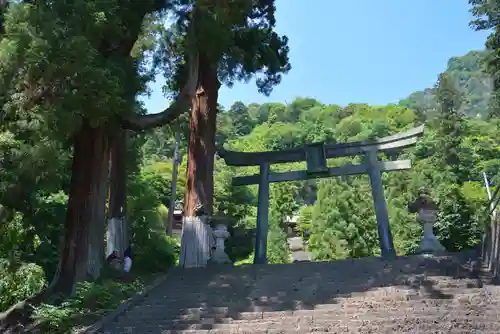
415 294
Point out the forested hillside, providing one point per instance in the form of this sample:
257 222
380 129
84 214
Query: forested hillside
470 78
339 212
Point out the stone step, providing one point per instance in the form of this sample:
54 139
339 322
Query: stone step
373 300
426 307
367 325
319 331
301 318
437 289
371 295
460 302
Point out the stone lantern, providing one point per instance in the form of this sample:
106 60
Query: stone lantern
427 211
220 234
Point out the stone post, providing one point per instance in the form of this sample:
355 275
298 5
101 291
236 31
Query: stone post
427 216
220 234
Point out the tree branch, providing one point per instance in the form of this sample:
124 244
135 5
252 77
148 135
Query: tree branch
181 104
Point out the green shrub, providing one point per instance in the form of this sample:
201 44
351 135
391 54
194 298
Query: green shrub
92 300
240 244
278 250
305 219
19 282
156 254
146 215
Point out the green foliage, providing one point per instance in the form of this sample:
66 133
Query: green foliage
472 82
246 261
230 201
283 200
45 87
340 213
304 222
92 300
277 246
486 18
455 227
147 225
19 281
240 118
237 38
343 222
450 127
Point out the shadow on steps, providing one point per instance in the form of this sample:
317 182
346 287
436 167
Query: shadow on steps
204 297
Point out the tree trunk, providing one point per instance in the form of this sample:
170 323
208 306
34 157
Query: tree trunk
201 147
88 160
118 176
96 229
196 239
173 189
117 236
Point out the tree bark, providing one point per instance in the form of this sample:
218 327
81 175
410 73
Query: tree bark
201 147
98 206
88 161
118 176
180 105
117 235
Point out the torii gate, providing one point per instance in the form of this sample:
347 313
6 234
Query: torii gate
316 156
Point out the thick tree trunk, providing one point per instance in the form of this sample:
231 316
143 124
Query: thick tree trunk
118 176
88 160
201 147
117 236
196 239
97 227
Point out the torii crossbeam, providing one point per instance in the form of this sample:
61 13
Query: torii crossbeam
316 156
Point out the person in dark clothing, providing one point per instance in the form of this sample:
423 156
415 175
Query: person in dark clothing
114 260
127 258
112 256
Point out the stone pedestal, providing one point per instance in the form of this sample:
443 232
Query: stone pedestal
427 211
429 243
220 234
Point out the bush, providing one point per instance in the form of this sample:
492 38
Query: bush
278 250
240 244
147 215
304 221
92 300
455 228
19 282
165 252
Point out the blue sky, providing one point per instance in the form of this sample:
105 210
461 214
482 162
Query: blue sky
359 51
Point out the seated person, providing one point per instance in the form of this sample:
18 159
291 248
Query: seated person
114 260
127 258
112 256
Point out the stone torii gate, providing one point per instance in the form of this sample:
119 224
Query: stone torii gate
316 156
